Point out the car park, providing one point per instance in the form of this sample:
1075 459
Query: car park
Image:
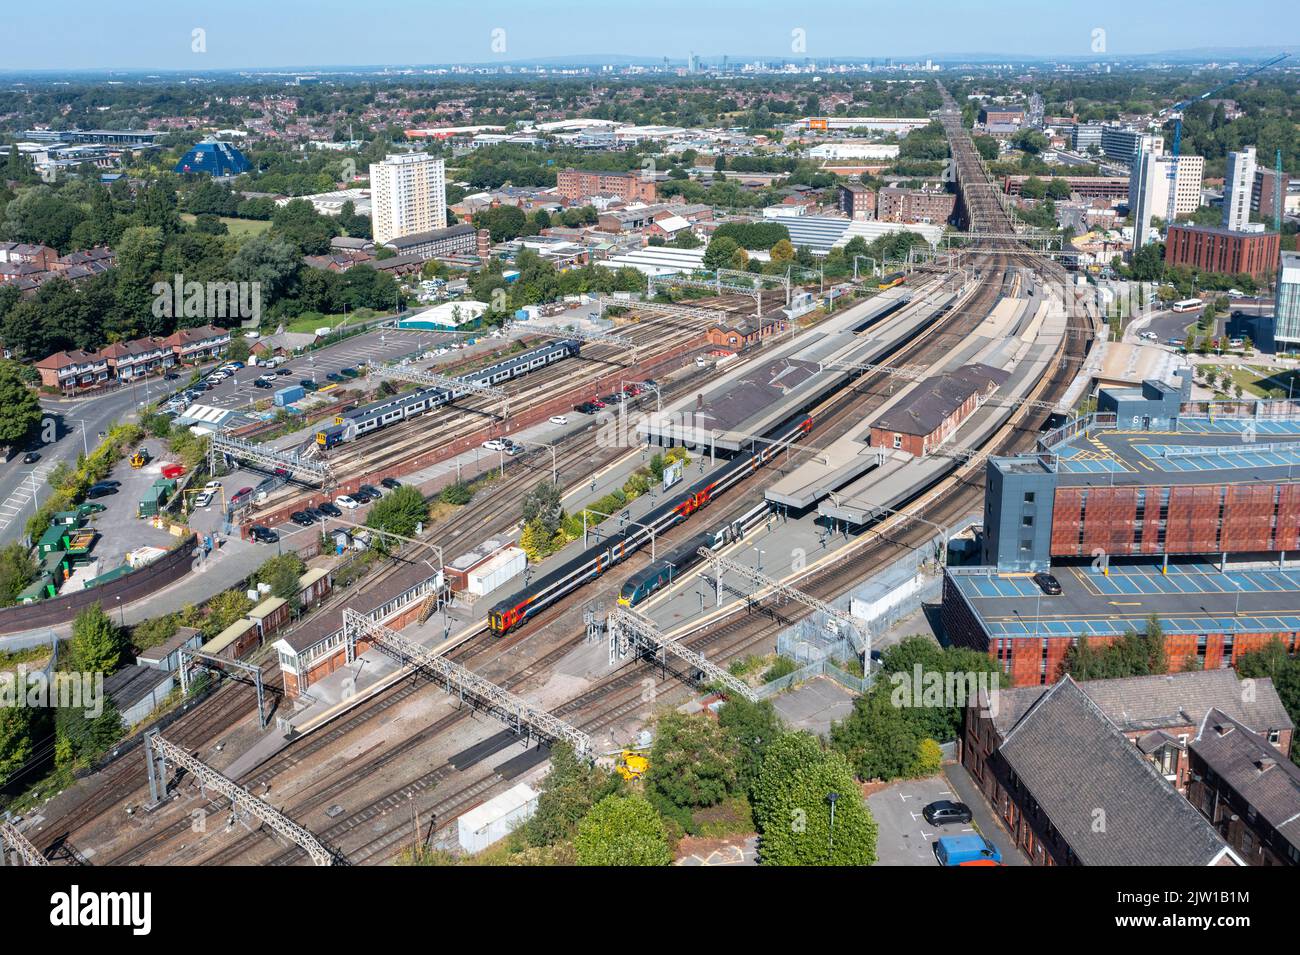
945 812
301 518
391 483
559 419
263 535
344 500
1048 584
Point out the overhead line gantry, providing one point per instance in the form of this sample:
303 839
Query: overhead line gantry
627 628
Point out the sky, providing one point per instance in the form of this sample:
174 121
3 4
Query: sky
134 35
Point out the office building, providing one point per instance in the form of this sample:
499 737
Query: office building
1286 310
1237 188
408 194
579 184
1252 252
1121 143
1087 135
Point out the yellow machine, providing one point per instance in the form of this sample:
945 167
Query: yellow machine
631 764
140 458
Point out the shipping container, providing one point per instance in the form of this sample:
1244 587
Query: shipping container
496 818
287 396
488 576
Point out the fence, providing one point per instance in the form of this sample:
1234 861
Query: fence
854 684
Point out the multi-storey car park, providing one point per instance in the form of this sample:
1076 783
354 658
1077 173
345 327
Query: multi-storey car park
443 764
1153 505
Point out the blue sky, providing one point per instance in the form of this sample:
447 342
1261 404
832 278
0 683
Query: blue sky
131 34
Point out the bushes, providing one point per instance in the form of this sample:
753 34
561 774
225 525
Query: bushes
73 485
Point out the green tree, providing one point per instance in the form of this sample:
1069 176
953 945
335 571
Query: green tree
542 506
787 755
570 789
281 573
399 511
16 735
17 570
622 830
797 828
98 644
691 764
719 253
880 739
20 410
751 728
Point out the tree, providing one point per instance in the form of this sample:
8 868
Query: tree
622 830
17 570
718 254
399 511
542 506
20 409
282 573
783 252
787 755
1033 188
691 764
751 728
568 792
1058 189
15 737
880 739
798 798
98 644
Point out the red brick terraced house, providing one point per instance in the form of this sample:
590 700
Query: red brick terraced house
194 345
75 370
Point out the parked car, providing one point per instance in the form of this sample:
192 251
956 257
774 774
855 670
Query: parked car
344 500
308 384
100 490
391 483
373 491
241 495
970 849
263 535
262 383
31 457
349 372
203 498
1048 584
90 507
314 514
284 371
559 419
335 377
329 509
515 449
361 497
171 376
945 812
494 444
301 519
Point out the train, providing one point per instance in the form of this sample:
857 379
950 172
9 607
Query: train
892 280
356 422
596 560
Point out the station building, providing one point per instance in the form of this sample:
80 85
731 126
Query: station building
1151 506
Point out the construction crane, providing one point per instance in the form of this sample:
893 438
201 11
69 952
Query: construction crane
1178 108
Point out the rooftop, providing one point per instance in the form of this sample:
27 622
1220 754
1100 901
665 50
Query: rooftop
1190 598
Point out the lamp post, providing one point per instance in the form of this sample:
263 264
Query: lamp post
832 798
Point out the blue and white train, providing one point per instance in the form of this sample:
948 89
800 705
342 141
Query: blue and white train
379 414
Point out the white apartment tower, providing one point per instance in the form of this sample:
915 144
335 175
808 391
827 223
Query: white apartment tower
1237 188
408 194
1147 182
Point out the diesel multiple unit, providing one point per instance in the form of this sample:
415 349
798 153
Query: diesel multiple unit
378 414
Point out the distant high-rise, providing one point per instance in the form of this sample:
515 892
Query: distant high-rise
408 194
1237 187
1286 314
1144 190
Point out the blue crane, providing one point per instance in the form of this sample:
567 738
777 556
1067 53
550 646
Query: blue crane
1178 120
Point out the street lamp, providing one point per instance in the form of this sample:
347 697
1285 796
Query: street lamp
832 798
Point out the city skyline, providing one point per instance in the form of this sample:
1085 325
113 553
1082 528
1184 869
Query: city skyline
243 35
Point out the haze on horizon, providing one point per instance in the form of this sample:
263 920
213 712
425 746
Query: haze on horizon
242 34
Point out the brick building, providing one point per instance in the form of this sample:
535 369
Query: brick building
73 370
896 204
461 239
1242 782
1064 773
193 345
578 184
856 201
1215 249
929 413
1002 114
1114 188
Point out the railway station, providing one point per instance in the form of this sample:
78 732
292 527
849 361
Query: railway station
795 375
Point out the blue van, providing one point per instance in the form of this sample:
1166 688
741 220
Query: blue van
970 849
